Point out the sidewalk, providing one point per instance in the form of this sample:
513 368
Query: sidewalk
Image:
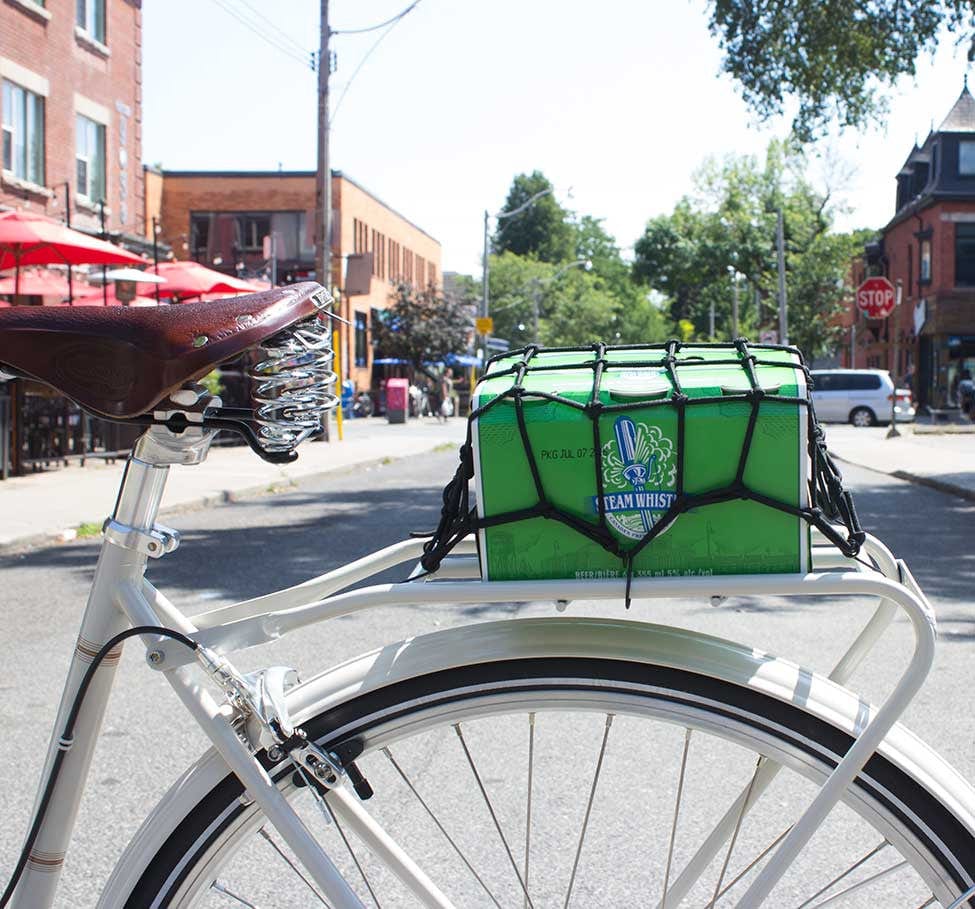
943 460
47 507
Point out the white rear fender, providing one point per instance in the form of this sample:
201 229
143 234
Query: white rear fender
554 637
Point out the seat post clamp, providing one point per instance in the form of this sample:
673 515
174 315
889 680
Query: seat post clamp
155 543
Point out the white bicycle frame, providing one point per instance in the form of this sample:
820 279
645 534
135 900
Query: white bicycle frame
121 596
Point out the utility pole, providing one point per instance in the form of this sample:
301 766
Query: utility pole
711 322
323 179
780 247
892 433
734 305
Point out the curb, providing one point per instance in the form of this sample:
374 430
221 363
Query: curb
223 497
940 485
951 489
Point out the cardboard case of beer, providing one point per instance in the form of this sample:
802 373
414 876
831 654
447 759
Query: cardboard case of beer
639 466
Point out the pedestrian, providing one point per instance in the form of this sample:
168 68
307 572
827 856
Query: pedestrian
448 407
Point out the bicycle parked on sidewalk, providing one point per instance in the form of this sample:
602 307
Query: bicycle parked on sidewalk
474 766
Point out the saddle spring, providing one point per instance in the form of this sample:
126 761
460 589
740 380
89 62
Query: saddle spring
292 384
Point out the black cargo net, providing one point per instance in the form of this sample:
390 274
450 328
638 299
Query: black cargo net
831 512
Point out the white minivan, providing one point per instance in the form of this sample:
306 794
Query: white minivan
858 396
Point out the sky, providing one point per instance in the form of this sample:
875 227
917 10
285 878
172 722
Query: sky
618 103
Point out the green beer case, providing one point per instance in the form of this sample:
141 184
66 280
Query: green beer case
638 439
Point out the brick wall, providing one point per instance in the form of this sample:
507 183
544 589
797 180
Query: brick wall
361 223
187 192
41 45
366 224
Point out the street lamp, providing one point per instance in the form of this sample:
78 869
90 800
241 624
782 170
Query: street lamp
502 216
539 284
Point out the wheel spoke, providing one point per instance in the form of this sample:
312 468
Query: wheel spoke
592 795
440 826
831 901
494 817
755 861
673 827
735 832
354 857
528 807
270 840
866 858
221 889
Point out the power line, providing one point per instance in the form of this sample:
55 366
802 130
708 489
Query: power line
389 22
256 29
372 28
288 39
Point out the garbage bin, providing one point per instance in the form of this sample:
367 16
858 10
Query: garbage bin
397 400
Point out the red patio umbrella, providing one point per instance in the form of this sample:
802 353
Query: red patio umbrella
99 298
29 239
39 284
190 279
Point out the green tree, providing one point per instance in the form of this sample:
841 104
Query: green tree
595 245
574 306
423 325
831 55
543 230
727 228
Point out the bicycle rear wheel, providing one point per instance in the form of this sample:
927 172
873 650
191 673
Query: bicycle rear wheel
544 782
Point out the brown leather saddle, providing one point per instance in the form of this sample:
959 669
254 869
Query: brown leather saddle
120 363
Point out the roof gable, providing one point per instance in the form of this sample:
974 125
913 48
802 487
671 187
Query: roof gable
961 118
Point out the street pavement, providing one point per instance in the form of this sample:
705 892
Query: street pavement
248 547
51 506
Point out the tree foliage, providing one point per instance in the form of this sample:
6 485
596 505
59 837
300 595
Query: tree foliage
543 230
831 55
423 325
727 228
575 306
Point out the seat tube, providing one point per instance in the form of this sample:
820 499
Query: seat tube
137 506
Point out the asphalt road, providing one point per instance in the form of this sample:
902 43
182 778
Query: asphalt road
247 548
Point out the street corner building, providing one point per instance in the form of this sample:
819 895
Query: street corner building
221 219
927 250
71 109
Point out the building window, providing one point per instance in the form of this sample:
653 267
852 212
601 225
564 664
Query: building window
90 16
23 133
200 236
925 274
90 159
965 255
251 231
966 159
361 342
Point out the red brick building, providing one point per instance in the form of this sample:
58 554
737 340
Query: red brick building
220 218
71 111
928 251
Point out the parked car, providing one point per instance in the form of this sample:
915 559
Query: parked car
859 396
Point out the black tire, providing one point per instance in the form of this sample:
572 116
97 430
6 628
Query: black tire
881 790
863 416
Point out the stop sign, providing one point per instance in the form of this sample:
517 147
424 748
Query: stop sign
876 298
